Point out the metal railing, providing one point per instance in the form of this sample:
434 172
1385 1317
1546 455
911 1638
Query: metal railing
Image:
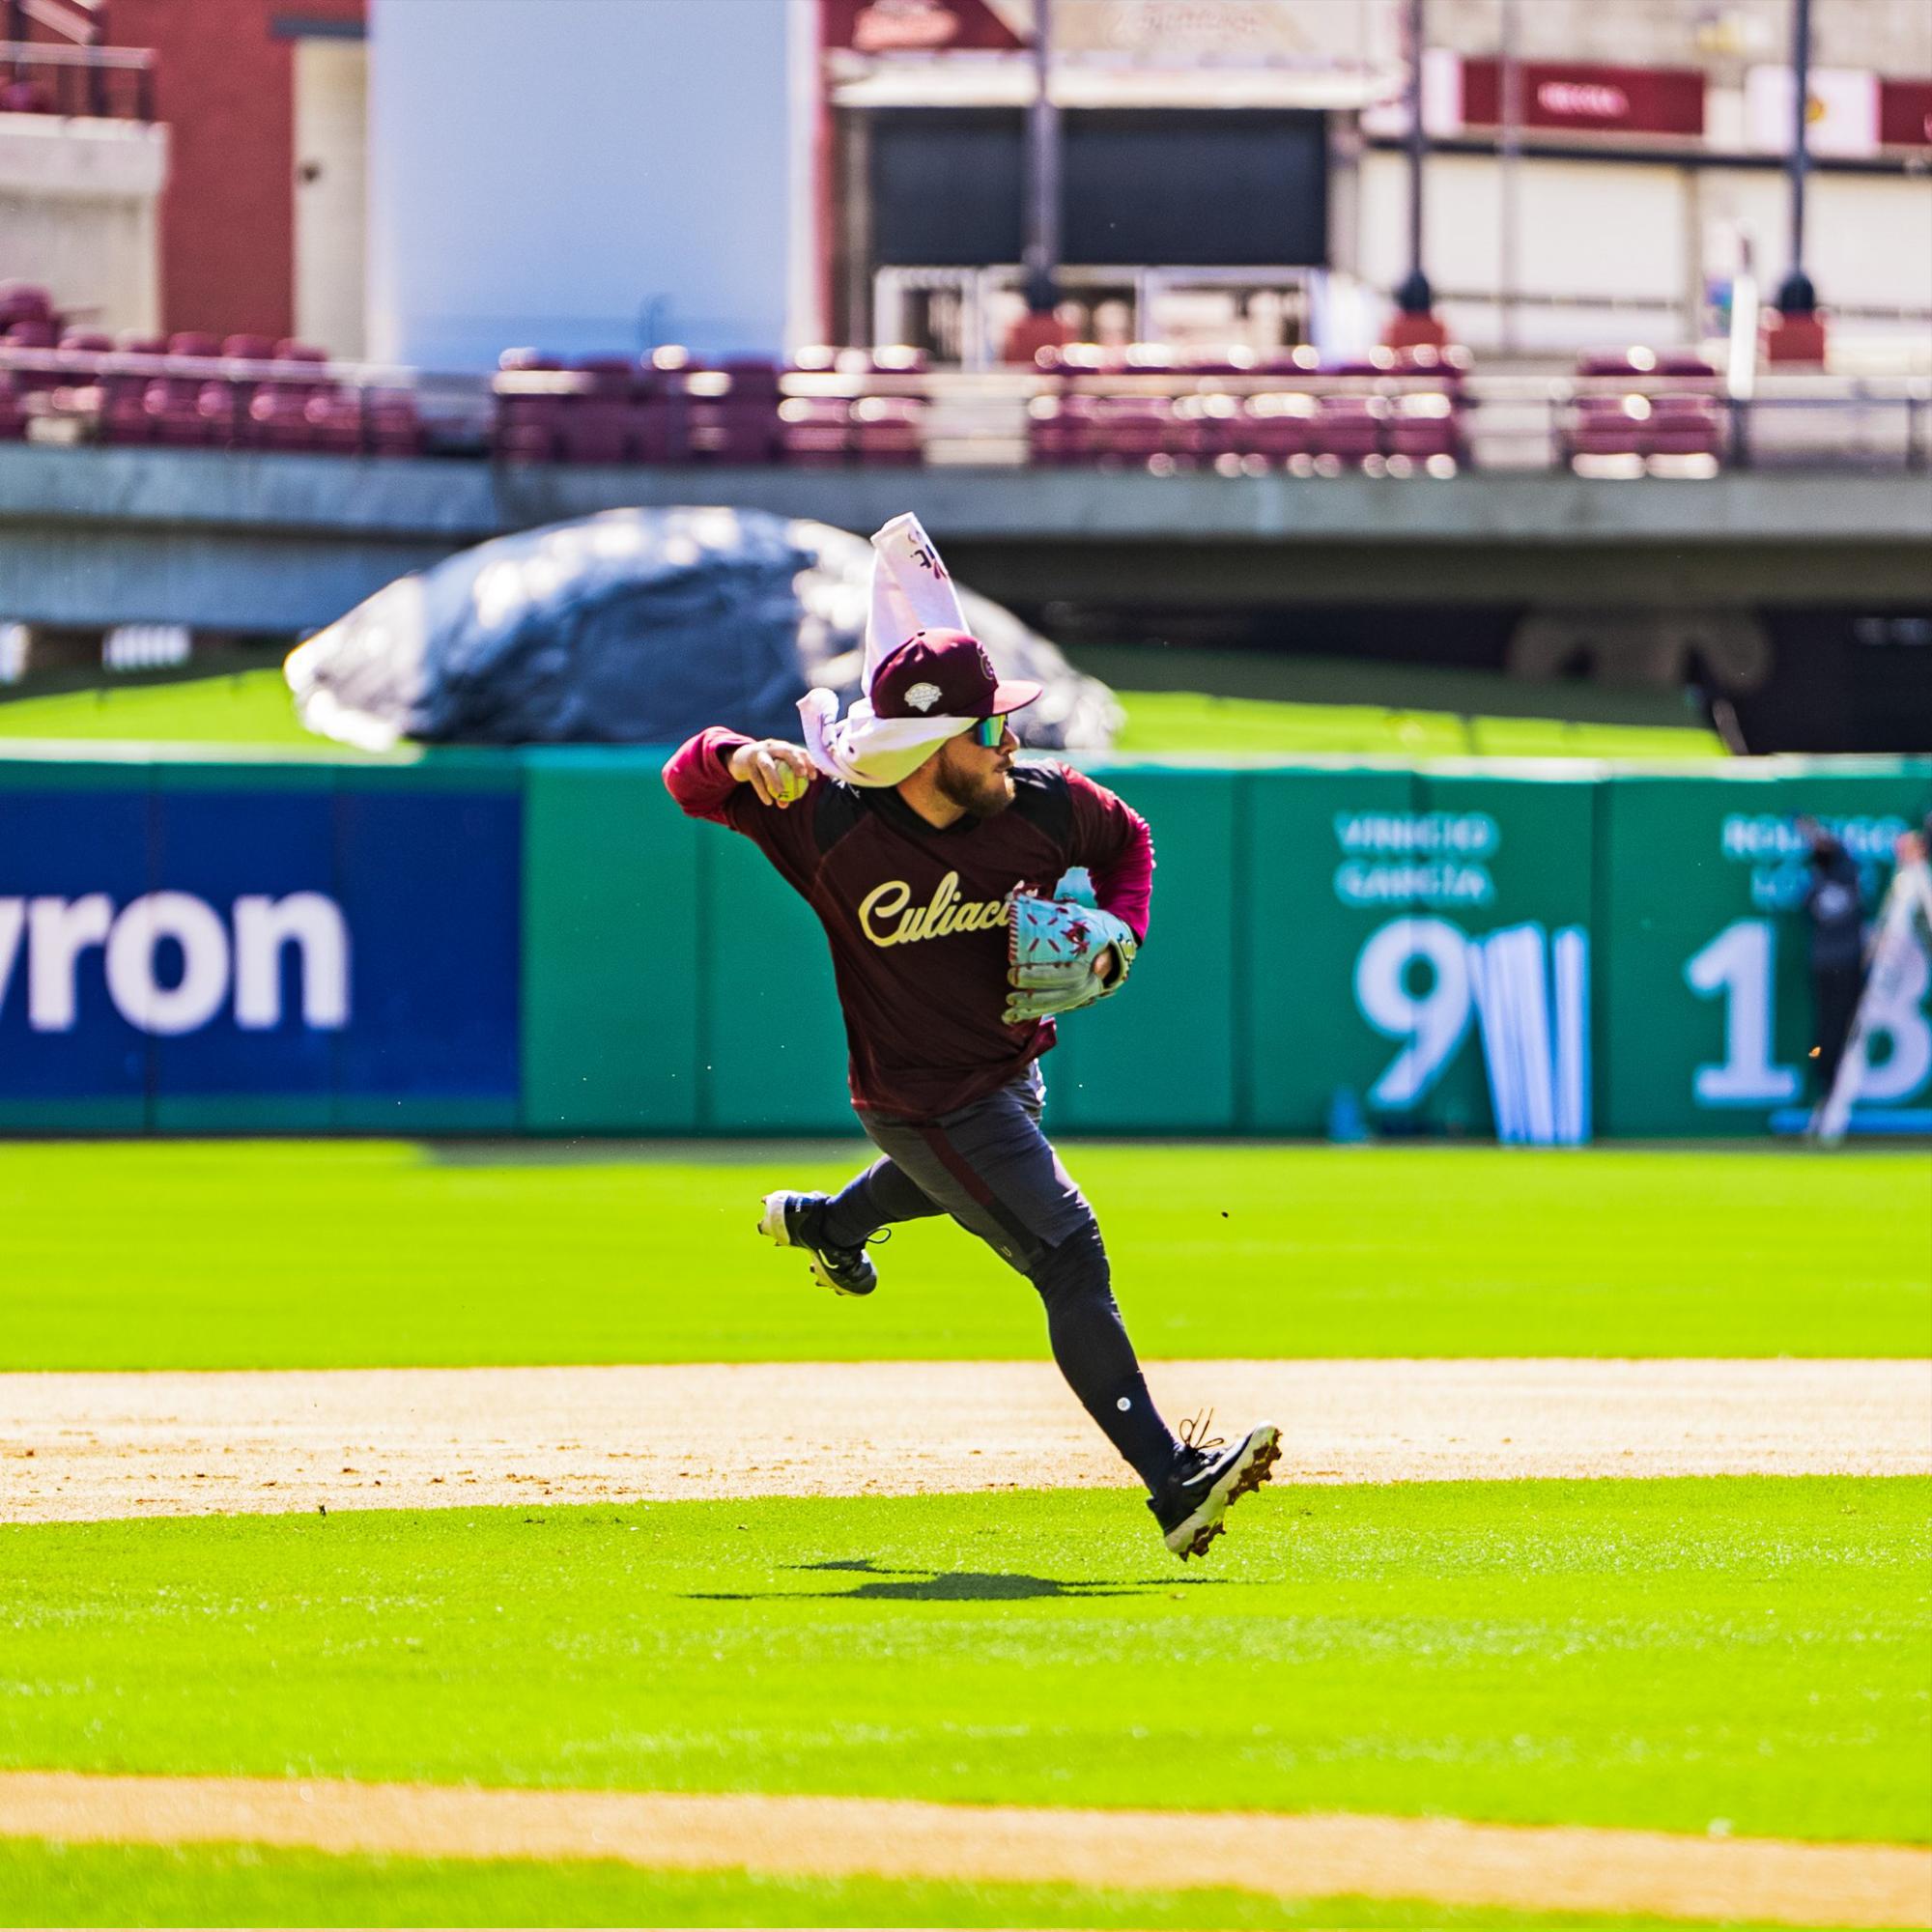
76 395
103 83
1594 425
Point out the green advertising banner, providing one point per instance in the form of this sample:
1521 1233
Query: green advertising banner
1376 896
1529 951
1707 996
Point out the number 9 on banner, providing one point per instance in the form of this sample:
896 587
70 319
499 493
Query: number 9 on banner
1433 1022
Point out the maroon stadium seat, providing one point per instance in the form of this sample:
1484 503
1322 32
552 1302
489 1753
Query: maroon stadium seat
1616 362
1606 435
122 413
24 302
75 392
1350 428
1686 434
21 95
277 415
37 334
335 420
392 424
528 423
661 420
598 418
173 402
1278 425
1060 430
1213 419
734 412
816 431
1142 432
1424 424
119 412
1664 416
887 430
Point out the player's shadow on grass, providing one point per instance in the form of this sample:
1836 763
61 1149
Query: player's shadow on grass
950 1586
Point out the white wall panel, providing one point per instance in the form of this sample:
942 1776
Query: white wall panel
1585 229
583 176
1645 236
332 193
1868 238
79 202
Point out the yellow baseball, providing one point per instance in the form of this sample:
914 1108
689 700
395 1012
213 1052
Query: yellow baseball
785 783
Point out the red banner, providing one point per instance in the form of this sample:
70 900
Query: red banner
915 26
1594 99
1905 113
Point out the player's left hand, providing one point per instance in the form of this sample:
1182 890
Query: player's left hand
1062 955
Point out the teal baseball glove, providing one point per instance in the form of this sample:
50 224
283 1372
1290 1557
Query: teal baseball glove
1052 957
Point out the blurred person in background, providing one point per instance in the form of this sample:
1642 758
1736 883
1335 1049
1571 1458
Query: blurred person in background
1915 849
1835 913
1045 323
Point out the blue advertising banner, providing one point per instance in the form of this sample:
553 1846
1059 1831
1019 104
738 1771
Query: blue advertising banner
195 952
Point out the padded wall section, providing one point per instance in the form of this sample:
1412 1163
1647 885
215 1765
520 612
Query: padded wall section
611 941
1160 1053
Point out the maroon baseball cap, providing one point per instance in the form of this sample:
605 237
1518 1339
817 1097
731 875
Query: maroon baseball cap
946 674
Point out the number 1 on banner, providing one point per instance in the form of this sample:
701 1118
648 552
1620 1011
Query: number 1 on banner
1739 964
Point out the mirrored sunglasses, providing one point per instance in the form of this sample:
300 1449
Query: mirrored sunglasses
989 732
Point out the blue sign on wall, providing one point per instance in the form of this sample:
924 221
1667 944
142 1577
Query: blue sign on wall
162 945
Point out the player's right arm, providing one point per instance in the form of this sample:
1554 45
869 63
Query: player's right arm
750 785
705 774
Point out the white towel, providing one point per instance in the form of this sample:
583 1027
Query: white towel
912 591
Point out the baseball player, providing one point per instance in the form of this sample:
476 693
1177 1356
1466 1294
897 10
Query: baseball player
931 860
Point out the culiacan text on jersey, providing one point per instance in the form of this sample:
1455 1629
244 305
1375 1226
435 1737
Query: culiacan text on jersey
885 919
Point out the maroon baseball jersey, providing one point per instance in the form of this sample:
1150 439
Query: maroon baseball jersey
916 914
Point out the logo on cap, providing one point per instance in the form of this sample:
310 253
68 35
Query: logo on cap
922 697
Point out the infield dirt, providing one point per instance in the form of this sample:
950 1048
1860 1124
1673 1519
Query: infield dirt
1539 1867
85 1446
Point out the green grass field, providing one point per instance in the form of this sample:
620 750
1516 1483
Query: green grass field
252 707
1701 1656
247 707
344 1254
1641 1654
1163 722
88 1885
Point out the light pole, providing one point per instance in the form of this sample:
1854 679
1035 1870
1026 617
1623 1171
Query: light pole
1798 335
1795 291
1509 160
1414 324
1043 172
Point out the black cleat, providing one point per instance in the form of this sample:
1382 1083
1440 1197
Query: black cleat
1207 1477
792 1221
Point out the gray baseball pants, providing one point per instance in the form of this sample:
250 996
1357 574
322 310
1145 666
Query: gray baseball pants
990 1166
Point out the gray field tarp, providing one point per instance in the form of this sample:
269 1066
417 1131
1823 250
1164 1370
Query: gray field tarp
638 627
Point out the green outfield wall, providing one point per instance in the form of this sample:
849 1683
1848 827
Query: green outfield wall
540 941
